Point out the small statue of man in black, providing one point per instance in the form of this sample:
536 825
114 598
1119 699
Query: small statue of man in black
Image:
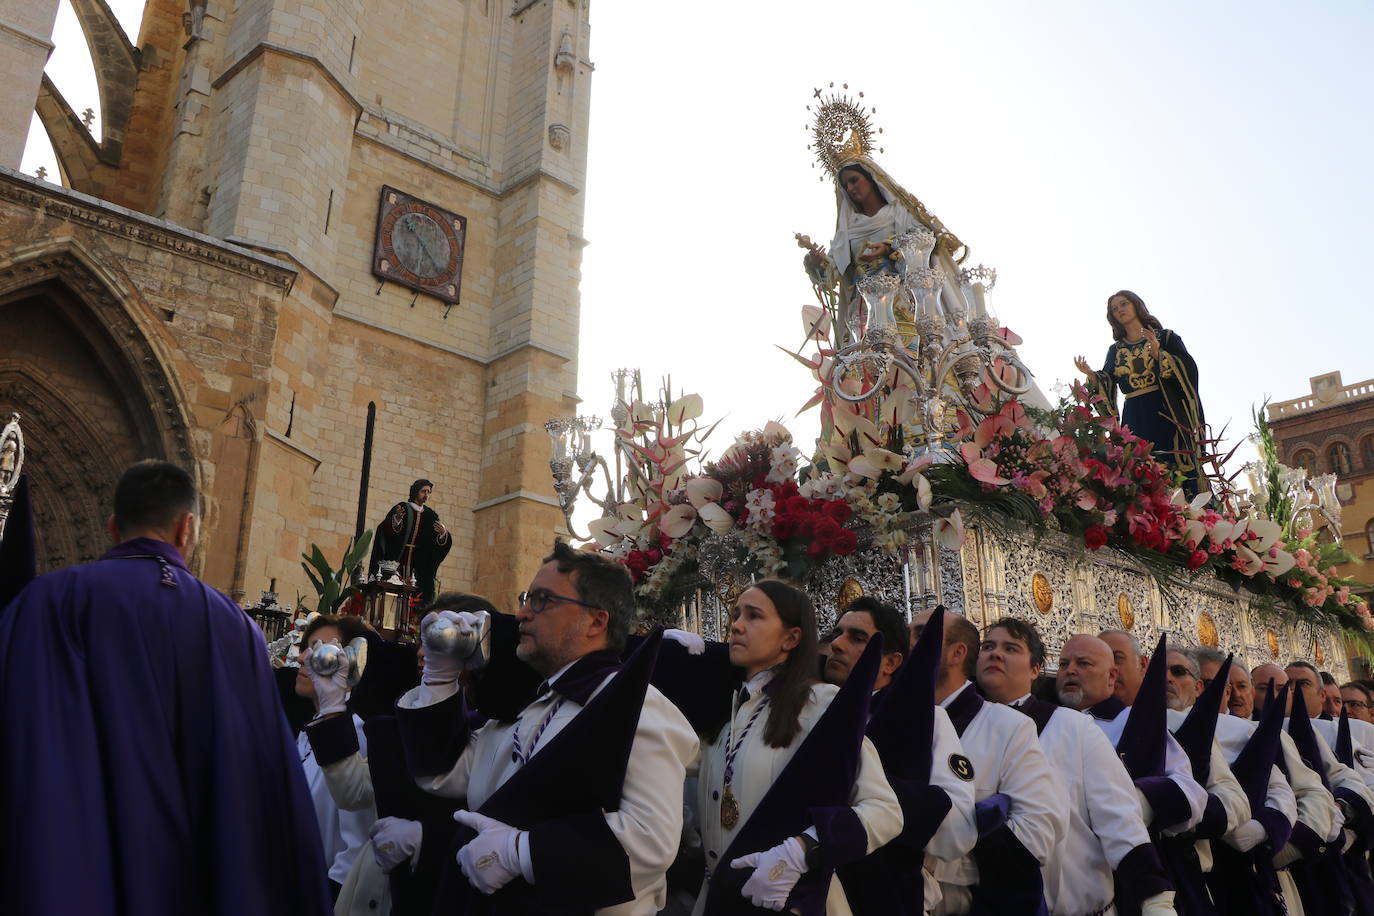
412 535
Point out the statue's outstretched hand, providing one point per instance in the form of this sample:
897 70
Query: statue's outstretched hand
1152 340
1083 366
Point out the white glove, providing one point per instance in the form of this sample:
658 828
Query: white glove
496 856
776 872
1247 836
395 840
1158 905
693 643
440 667
331 691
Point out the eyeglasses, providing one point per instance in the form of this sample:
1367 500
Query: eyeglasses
539 600
1356 704
1180 671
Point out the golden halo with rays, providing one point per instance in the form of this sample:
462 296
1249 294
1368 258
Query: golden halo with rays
842 130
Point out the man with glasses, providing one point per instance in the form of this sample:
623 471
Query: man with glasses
567 812
1357 702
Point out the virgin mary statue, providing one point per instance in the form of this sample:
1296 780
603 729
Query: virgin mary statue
872 213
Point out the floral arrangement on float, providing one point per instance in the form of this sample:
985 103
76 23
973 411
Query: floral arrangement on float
1073 468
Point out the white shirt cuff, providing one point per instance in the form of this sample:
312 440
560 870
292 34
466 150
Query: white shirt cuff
427 695
526 866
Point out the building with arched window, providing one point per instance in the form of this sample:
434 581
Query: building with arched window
1331 431
300 223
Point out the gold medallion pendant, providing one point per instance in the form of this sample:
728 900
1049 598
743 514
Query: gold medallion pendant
729 809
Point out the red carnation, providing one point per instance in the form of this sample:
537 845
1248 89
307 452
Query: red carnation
786 526
838 510
1095 537
796 505
845 542
816 549
1196 559
825 528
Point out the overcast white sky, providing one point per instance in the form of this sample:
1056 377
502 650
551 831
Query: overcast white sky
1212 157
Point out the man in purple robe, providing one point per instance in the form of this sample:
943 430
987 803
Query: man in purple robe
145 764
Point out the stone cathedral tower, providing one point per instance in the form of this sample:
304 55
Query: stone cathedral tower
299 208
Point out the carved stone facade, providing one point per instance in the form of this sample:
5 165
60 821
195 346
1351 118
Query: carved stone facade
201 289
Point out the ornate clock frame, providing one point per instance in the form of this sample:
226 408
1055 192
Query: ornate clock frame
389 264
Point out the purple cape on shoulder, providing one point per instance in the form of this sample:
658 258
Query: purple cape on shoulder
145 763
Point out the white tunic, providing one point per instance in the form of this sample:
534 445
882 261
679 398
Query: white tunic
1361 733
1222 783
1104 815
1008 759
648 823
757 766
344 832
1232 735
1176 767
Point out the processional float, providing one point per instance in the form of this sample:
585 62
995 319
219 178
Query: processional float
942 475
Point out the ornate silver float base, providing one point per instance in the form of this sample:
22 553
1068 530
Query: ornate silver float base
1059 587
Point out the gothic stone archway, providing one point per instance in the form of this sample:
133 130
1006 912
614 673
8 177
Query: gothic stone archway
92 393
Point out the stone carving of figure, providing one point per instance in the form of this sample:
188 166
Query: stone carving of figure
11 455
194 20
1157 378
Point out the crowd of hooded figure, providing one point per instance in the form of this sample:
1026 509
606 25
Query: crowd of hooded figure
551 762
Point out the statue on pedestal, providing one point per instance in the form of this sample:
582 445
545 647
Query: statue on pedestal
412 536
1157 378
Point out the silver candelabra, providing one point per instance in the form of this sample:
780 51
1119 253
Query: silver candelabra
955 345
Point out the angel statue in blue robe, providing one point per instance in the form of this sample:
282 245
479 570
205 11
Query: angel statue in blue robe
1157 379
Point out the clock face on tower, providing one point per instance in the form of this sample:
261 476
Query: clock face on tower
419 245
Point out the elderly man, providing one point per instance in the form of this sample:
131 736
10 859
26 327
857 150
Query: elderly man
1021 805
146 765
590 822
1130 663
1086 680
1106 851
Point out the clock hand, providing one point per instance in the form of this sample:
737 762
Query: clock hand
429 254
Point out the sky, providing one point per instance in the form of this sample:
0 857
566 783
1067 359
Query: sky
1214 158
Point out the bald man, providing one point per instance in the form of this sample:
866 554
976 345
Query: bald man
1086 680
1130 663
